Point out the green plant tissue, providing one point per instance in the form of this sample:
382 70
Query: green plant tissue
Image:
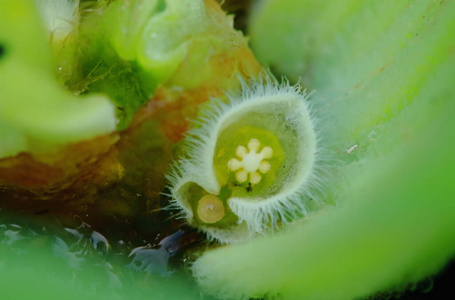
35 112
383 75
382 72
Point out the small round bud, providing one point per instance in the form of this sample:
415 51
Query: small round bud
210 209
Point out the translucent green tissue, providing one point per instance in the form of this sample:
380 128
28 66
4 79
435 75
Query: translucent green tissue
383 74
35 113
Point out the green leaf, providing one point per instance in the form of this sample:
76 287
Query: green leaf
35 113
383 74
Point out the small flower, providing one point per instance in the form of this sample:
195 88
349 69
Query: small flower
248 165
251 162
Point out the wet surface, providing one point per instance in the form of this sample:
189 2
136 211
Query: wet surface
109 253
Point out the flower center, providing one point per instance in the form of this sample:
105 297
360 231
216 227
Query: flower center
251 162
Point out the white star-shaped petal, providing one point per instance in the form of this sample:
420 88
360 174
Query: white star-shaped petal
252 163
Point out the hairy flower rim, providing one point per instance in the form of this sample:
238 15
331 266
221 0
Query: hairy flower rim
253 215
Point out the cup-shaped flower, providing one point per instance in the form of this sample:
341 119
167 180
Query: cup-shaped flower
248 163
